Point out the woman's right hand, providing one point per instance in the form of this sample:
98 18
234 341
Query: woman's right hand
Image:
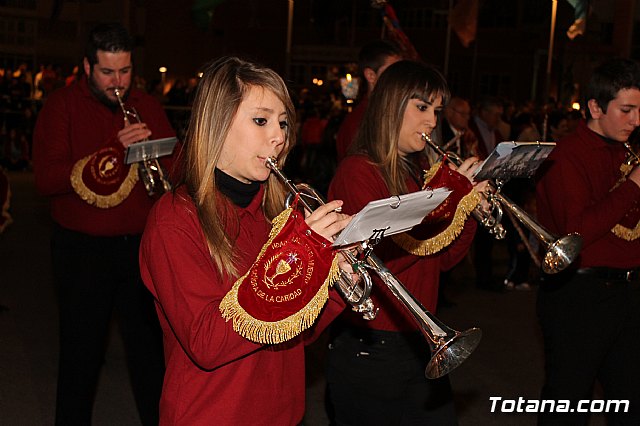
326 221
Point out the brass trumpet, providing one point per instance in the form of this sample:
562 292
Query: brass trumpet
560 252
449 347
150 171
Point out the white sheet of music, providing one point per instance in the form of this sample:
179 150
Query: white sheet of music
391 215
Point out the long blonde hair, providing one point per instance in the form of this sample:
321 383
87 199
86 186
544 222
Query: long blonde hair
379 130
224 84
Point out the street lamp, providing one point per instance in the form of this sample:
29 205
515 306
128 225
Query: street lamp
163 73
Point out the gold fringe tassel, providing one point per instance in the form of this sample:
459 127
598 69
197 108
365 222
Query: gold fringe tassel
102 201
429 174
266 332
446 237
626 233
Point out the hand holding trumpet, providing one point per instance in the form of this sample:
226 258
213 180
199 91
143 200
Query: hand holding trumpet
467 168
132 133
327 221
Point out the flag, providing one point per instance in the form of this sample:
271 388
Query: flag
396 34
464 20
579 26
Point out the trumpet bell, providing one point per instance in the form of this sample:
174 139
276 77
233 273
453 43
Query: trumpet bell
561 253
450 354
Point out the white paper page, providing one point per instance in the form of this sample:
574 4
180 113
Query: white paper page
394 215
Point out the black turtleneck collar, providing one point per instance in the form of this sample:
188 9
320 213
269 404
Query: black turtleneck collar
240 193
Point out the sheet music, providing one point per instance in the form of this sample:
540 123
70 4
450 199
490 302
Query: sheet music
393 215
514 159
149 150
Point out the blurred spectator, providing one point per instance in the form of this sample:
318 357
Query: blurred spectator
523 128
557 125
37 84
15 151
454 128
177 95
313 128
373 59
190 90
156 89
574 117
485 125
521 192
504 125
71 77
49 80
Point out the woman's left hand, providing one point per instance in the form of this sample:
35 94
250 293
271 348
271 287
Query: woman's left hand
468 168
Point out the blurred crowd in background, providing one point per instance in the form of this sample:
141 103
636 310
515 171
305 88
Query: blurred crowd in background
320 113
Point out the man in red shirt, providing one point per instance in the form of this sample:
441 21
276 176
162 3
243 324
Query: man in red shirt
373 59
590 315
95 248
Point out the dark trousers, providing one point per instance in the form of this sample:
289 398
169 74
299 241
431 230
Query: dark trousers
377 378
590 328
95 277
482 257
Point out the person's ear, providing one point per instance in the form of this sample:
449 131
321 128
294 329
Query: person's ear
87 66
594 108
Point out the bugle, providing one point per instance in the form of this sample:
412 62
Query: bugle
559 253
150 171
449 347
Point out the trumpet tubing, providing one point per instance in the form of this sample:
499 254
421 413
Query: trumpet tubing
560 252
449 347
150 171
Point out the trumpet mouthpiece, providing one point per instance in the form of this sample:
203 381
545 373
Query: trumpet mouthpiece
271 162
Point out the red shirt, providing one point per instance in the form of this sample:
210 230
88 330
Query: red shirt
214 376
574 195
312 130
73 124
357 182
348 129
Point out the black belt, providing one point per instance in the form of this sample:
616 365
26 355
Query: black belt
612 273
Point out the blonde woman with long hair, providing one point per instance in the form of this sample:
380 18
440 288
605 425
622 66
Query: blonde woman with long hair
204 237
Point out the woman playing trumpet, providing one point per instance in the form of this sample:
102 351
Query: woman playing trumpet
376 368
203 237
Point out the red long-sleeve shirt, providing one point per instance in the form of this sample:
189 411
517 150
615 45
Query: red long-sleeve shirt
574 195
357 182
214 376
72 124
349 128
